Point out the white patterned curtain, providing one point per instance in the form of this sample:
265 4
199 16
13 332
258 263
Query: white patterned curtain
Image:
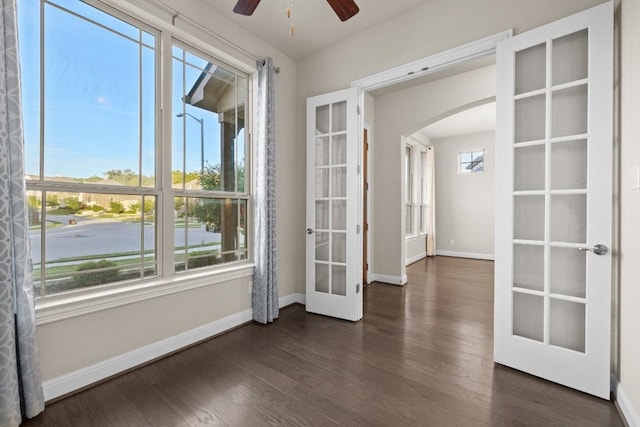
430 182
265 282
20 384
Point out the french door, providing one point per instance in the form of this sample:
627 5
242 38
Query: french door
554 201
333 247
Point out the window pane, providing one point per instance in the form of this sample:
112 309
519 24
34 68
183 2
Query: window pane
99 93
209 232
208 130
90 239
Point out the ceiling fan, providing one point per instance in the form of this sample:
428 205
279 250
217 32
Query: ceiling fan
345 9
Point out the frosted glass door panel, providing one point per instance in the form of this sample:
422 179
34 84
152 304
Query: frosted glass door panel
570 58
339 280
529 168
339 115
339 247
567 324
528 316
339 214
569 165
339 150
528 267
322 278
322 246
322 183
322 119
569 218
530 118
530 69
569 111
322 214
322 151
528 217
568 272
339 181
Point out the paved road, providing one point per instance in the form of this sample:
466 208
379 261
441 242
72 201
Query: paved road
105 236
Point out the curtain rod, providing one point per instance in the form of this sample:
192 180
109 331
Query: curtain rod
175 14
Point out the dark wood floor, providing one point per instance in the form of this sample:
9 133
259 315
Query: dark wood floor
421 356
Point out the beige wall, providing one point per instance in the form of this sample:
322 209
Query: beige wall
464 203
72 344
629 368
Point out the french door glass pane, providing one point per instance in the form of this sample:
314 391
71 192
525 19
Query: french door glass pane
339 280
570 57
528 267
568 272
530 69
569 111
569 218
567 324
528 316
322 278
528 217
569 165
322 151
530 118
322 246
529 168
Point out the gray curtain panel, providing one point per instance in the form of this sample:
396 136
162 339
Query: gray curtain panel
265 281
20 384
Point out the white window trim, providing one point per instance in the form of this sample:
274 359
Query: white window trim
66 305
77 303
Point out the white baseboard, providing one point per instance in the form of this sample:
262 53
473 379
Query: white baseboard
415 258
625 406
84 377
466 255
393 280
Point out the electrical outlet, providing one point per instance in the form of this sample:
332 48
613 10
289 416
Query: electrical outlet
453 242
251 286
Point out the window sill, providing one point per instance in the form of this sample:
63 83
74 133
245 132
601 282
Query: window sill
69 305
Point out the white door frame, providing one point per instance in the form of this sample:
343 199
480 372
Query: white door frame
476 49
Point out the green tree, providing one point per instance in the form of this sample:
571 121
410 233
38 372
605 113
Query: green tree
189 176
208 211
72 204
117 207
123 176
210 177
52 201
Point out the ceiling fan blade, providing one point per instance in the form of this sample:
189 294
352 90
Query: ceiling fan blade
246 7
345 9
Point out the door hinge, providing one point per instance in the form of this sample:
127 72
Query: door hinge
358 109
358 169
358 229
358 288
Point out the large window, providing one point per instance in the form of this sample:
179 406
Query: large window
408 188
105 205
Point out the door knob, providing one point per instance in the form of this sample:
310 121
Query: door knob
309 231
597 249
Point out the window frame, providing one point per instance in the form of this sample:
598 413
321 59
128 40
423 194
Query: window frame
81 301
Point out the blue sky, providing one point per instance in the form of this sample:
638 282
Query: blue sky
93 96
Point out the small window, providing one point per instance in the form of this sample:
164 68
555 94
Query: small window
471 162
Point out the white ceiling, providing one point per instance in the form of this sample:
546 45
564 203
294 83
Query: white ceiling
317 26
477 119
